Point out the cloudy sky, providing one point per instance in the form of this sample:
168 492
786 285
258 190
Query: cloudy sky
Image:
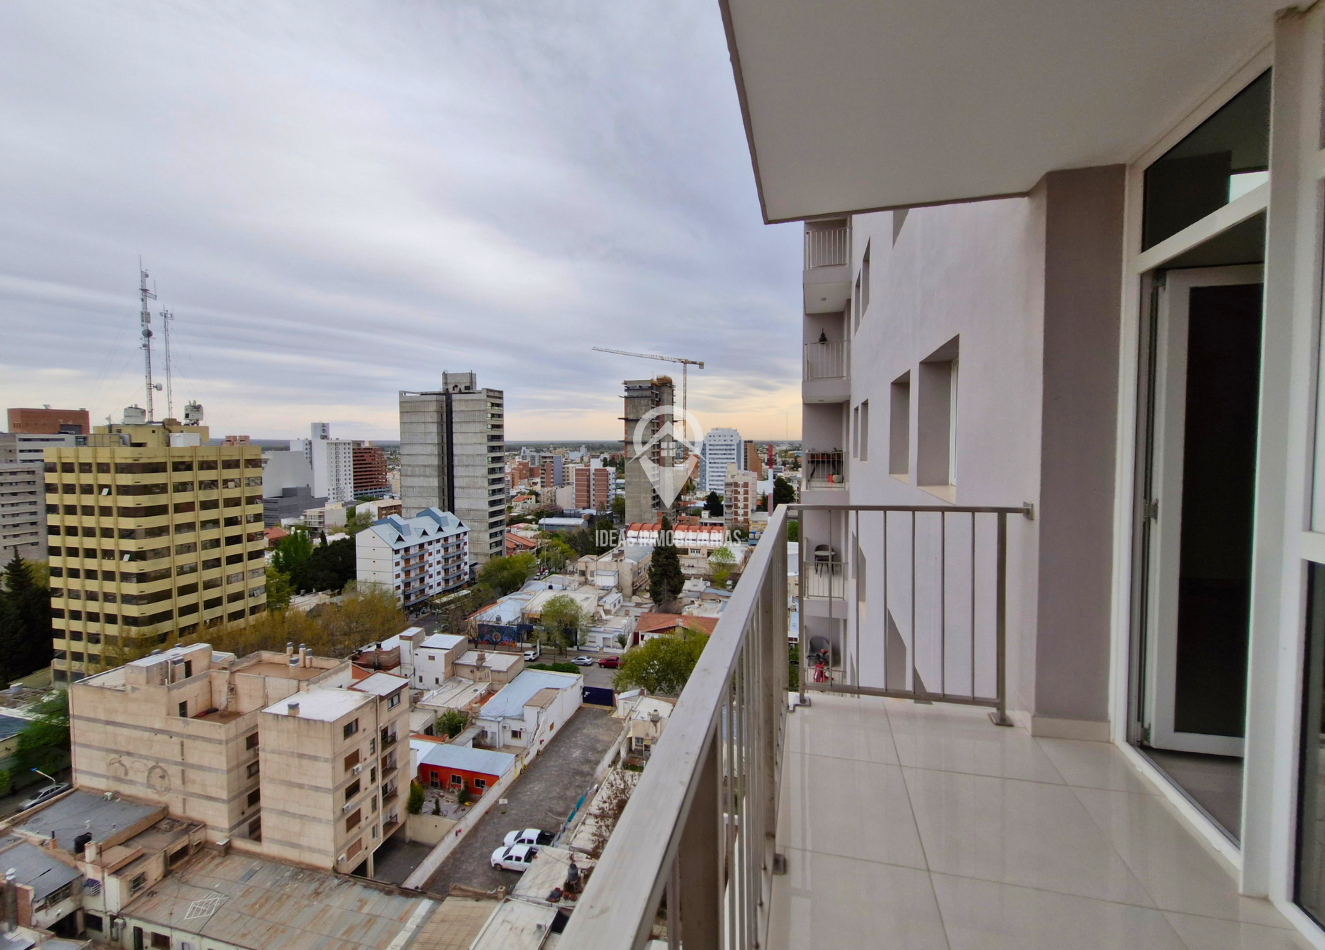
339 201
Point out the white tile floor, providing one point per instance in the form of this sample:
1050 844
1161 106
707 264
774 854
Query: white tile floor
929 828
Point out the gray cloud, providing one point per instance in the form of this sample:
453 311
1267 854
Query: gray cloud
341 200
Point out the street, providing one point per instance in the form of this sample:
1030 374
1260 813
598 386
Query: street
541 798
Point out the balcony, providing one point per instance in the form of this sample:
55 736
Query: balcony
868 818
827 278
824 470
827 372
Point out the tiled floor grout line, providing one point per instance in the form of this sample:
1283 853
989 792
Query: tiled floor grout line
943 923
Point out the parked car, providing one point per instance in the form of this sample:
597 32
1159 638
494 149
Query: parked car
610 662
517 858
583 661
532 655
45 795
528 836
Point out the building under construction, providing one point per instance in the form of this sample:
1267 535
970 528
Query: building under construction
643 395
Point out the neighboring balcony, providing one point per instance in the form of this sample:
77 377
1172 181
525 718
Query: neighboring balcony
827 278
826 372
891 811
825 471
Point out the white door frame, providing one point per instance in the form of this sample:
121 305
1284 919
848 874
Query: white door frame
1165 539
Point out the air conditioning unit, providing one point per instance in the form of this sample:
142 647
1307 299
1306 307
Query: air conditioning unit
346 807
341 859
356 770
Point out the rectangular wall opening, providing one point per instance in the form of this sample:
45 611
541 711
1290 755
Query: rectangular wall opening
899 426
936 419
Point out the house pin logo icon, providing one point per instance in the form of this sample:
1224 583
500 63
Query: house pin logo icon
667 479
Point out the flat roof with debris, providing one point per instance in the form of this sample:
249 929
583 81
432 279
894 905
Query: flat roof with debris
454 925
35 867
246 901
69 816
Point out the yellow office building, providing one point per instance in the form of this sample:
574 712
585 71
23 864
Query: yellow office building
151 532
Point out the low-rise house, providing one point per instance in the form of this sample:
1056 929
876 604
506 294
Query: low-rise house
609 634
646 718
456 693
527 711
625 569
445 765
483 667
652 625
435 659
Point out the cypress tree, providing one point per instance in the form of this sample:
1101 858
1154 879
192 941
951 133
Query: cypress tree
665 578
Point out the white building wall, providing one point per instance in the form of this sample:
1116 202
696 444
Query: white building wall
373 560
720 448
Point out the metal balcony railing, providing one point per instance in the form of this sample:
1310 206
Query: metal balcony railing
921 610
700 824
828 360
827 247
824 470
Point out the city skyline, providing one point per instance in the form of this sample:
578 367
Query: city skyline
332 208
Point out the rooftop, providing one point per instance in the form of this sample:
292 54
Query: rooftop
11 726
511 699
379 684
548 872
492 661
455 693
429 524
70 815
443 641
656 622
449 755
326 705
35 866
248 902
518 925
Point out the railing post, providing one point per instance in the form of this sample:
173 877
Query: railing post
697 856
1000 715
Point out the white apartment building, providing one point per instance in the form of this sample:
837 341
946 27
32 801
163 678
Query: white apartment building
28 448
22 511
332 462
1061 317
720 448
740 496
417 557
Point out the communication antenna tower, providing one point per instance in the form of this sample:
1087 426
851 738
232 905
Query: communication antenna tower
145 321
167 318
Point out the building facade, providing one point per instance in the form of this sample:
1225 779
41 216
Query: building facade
452 457
28 447
642 398
417 557
721 447
552 471
149 540
48 421
22 511
740 497
595 485
370 479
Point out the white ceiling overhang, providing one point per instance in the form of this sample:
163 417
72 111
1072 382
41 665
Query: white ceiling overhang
854 105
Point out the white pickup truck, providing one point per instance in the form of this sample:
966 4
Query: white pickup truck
517 858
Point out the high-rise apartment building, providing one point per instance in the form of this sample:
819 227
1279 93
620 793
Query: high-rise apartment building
552 471
740 496
721 447
295 751
594 486
370 479
22 512
752 460
332 462
149 538
29 448
48 421
452 457
641 398
417 557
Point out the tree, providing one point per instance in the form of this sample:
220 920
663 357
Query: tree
25 620
713 504
414 804
554 554
452 722
793 530
619 508
356 521
292 556
563 620
507 574
663 664
278 589
783 492
665 578
721 562
332 566
44 743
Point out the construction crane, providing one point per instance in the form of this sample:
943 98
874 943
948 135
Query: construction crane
685 373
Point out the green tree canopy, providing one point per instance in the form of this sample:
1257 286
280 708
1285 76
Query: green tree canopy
665 578
554 555
783 493
793 530
619 508
25 619
44 743
292 556
713 504
563 620
507 574
663 664
278 589
332 566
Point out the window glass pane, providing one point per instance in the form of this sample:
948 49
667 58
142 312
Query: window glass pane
1222 159
1310 883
